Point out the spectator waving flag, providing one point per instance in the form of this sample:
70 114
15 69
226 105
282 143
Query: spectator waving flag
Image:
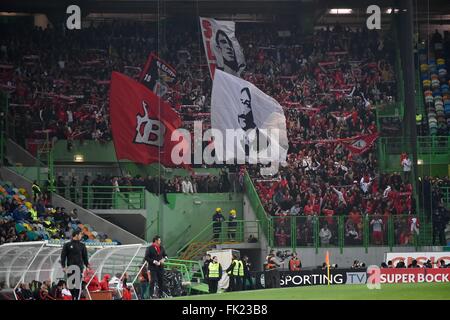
222 49
141 122
238 105
157 75
361 144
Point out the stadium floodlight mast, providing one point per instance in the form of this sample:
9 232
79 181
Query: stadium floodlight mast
263 147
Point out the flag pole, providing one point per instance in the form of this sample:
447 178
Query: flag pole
328 267
327 260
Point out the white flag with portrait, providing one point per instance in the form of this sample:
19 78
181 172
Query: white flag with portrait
222 49
238 105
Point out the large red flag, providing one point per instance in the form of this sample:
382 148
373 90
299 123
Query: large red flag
142 123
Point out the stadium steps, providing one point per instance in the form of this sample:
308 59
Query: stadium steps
196 250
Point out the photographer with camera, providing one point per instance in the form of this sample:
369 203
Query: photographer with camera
271 273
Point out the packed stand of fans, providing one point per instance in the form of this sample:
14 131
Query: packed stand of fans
435 84
329 83
335 82
24 218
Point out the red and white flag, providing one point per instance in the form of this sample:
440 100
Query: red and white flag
361 144
141 122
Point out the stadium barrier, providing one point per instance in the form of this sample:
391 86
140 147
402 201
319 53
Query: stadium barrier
351 277
105 197
306 231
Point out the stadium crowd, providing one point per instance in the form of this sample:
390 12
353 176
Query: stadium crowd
433 60
330 84
23 218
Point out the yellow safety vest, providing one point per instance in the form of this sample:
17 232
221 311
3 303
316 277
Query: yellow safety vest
33 214
238 269
418 118
213 270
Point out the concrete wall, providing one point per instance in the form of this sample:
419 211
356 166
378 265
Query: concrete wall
18 155
249 215
186 215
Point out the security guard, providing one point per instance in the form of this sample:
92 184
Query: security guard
214 274
232 225
218 218
236 273
419 123
36 191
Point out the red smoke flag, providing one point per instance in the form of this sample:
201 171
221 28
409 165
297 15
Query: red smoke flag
142 123
361 144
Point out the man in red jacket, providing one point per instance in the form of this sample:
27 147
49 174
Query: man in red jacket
104 284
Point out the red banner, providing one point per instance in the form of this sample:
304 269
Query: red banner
414 275
142 123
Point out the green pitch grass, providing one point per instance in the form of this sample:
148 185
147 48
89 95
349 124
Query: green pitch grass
409 291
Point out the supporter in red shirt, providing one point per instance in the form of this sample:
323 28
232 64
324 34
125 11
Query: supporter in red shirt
281 238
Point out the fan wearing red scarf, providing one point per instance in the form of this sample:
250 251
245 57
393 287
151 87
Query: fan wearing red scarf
155 256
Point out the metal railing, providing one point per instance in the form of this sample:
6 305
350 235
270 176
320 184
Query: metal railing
105 197
345 231
430 149
225 232
446 196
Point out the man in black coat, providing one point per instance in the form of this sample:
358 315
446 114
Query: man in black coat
440 220
155 256
74 254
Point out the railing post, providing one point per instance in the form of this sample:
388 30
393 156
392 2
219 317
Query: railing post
366 235
341 233
316 233
390 233
89 197
270 232
293 233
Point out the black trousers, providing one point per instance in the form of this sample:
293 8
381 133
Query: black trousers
235 283
157 275
76 292
272 278
239 283
232 284
247 280
213 285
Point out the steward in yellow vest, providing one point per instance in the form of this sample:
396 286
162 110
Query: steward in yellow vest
236 273
214 274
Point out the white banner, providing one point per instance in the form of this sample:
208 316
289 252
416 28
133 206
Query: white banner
239 106
421 257
222 49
